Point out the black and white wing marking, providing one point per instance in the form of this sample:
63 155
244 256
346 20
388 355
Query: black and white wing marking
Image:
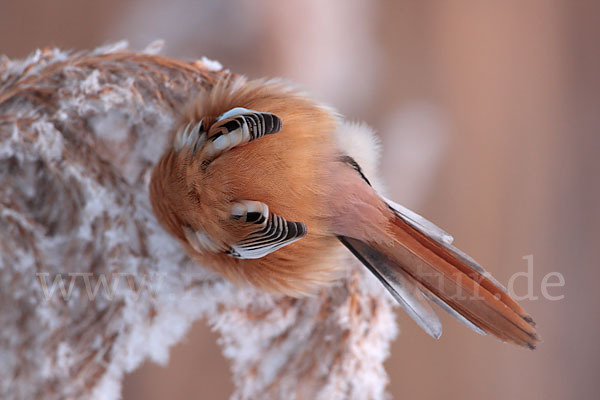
273 232
233 128
239 126
190 136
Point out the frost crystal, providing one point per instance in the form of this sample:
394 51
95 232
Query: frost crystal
91 286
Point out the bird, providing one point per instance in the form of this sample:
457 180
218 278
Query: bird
256 187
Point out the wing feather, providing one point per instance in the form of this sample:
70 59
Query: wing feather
273 231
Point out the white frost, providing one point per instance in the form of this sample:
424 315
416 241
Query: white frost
75 209
212 65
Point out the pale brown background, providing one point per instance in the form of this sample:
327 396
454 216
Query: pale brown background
489 113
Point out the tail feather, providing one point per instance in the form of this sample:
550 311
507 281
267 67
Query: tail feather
405 289
409 258
401 285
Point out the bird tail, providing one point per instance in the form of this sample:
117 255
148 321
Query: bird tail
416 262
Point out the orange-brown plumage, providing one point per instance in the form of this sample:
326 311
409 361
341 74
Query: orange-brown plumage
286 171
261 193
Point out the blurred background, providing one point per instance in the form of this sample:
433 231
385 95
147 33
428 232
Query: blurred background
489 117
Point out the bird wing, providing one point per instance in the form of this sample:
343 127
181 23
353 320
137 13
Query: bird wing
272 231
239 126
233 128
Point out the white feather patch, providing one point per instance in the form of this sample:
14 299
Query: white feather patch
189 135
201 242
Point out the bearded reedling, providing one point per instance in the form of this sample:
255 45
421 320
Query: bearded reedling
256 188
